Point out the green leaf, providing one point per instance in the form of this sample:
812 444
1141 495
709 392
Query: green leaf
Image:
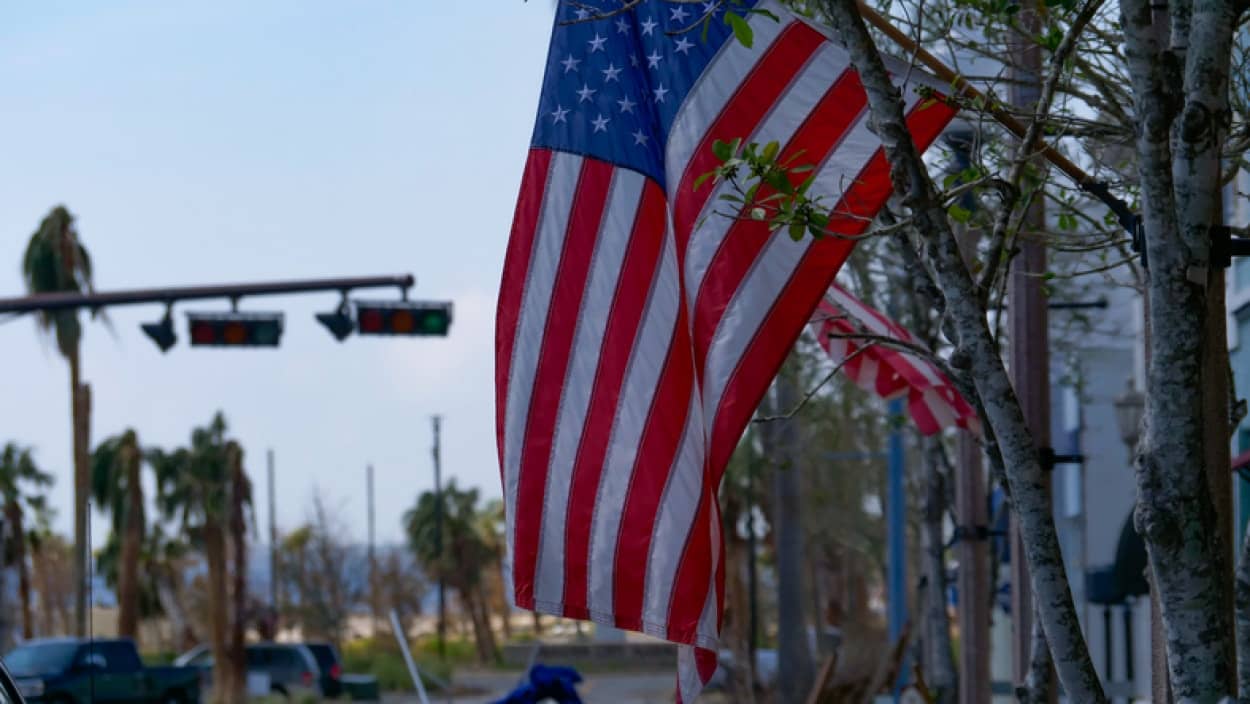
960 214
722 150
770 151
767 13
797 228
742 30
703 177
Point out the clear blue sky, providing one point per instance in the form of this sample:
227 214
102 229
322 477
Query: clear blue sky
204 142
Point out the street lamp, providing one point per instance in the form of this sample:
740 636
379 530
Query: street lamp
1130 406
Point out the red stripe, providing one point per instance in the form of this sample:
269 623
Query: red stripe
516 268
740 117
661 436
773 340
693 575
822 130
921 414
566 299
624 318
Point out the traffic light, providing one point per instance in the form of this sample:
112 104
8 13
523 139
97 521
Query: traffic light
235 329
162 333
403 318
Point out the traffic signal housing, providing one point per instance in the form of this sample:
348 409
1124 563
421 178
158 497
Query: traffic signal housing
235 329
425 318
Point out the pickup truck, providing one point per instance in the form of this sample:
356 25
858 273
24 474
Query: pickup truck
73 671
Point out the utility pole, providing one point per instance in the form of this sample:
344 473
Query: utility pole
373 560
273 540
1030 341
438 540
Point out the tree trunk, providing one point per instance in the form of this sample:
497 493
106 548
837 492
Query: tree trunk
977 352
471 599
238 545
1243 621
1181 94
23 576
505 611
218 609
132 543
939 660
80 410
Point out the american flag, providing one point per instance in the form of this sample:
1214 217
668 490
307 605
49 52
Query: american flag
847 329
637 326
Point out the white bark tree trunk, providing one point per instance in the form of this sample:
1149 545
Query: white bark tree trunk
1181 93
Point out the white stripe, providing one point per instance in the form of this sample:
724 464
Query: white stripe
532 323
688 675
717 84
678 506
772 270
641 379
613 237
782 122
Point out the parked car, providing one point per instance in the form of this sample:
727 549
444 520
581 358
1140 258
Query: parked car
331 666
291 668
73 671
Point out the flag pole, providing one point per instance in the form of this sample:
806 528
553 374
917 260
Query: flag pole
964 89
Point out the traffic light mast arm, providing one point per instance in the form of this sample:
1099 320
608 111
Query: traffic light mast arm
93 301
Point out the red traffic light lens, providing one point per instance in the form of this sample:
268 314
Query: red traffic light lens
371 320
202 333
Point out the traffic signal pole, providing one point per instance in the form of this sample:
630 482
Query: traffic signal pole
171 295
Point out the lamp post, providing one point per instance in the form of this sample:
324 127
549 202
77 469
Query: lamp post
1130 406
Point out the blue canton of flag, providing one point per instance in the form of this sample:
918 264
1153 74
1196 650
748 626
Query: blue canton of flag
614 84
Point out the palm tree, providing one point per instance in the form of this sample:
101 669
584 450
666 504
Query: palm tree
17 472
116 486
464 555
55 260
195 489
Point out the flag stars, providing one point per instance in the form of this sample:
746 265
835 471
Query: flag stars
633 60
626 104
660 93
648 26
679 14
622 25
684 45
653 59
582 13
570 64
640 138
610 73
711 6
585 93
559 115
596 44
600 123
